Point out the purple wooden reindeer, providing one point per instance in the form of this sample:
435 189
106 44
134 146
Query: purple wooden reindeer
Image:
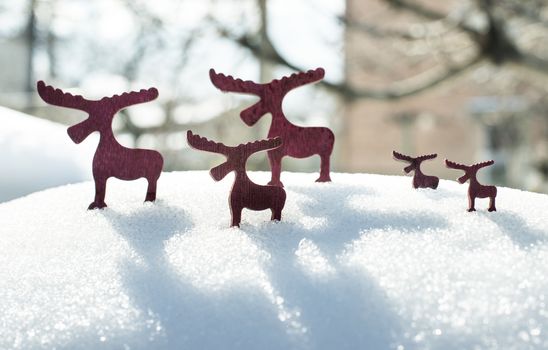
420 180
111 159
475 189
298 142
245 193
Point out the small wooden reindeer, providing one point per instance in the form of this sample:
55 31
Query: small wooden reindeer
420 180
298 142
475 189
111 159
245 193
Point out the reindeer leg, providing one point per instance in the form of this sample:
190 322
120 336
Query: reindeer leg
151 190
275 160
100 190
492 204
236 216
276 214
416 183
278 204
471 203
324 168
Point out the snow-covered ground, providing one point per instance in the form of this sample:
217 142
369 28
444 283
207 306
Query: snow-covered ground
36 154
365 262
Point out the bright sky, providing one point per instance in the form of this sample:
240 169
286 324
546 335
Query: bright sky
306 31
96 38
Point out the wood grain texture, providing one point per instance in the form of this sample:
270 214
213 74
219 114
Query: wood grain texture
111 159
298 142
420 180
475 189
245 193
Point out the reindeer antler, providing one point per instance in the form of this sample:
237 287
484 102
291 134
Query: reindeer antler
402 157
59 98
262 145
426 157
134 97
299 79
482 164
454 165
227 83
203 144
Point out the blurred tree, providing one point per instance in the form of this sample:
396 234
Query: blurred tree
30 37
507 32
400 49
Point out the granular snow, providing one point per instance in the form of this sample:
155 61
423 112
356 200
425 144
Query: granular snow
362 262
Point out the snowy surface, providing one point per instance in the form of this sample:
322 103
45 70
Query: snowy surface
36 154
364 262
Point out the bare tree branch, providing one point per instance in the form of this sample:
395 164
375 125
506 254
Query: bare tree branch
377 32
495 44
398 90
433 15
424 81
533 62
531 13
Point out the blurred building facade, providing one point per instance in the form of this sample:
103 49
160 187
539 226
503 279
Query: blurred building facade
458 119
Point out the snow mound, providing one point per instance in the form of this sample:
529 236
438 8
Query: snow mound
363 262
37 154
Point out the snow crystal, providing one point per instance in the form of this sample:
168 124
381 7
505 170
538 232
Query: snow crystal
363 262
312 260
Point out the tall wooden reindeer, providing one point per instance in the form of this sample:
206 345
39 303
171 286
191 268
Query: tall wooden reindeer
420 180
475 189
111 159
245 193
298 142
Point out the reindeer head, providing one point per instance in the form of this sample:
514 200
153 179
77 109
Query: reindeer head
100 112
236 156
415 162
469 170
271 94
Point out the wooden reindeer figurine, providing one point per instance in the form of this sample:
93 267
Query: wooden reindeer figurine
475 189
111 159
244 193
420 180
298 142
